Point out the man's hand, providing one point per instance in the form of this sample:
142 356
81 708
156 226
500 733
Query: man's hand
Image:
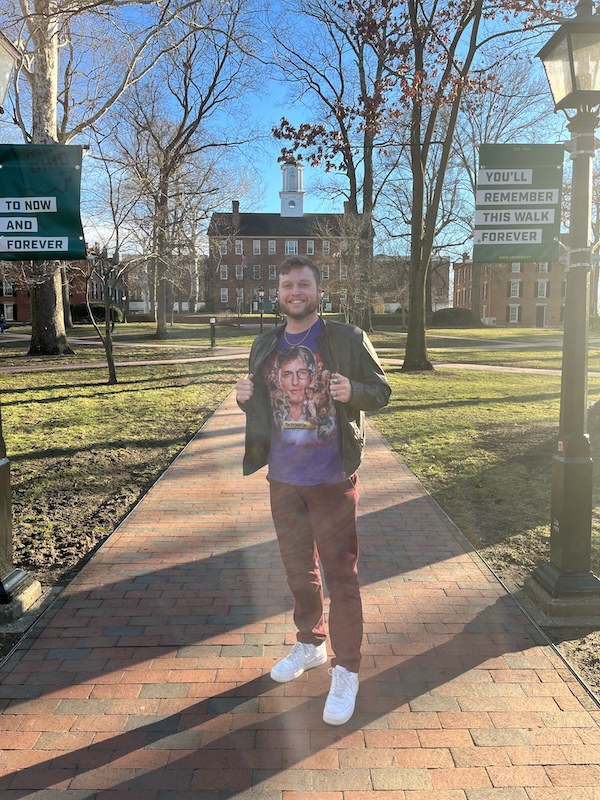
341 388
244 389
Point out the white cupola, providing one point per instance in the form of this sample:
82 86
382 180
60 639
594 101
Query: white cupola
292 192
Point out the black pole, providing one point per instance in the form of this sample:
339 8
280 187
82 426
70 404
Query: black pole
568 586
213 331
18 589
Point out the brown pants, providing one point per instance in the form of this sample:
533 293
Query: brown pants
319 523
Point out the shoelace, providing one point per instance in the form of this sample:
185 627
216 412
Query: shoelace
298 655
340 684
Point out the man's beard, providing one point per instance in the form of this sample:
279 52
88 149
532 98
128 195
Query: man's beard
308 309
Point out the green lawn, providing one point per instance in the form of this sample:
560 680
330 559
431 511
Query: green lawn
481 441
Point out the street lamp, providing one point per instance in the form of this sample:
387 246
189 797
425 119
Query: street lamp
9 58
565 586
18 589
261 297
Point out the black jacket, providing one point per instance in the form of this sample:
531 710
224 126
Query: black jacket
348 351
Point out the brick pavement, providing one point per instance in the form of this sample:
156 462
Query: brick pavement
148 678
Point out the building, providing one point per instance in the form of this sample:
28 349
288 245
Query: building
15 295
526 294
245 249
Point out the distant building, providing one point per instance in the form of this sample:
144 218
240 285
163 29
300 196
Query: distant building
245 249
527 294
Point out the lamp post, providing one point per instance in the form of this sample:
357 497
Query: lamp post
9 58
565 587
261 297
18 589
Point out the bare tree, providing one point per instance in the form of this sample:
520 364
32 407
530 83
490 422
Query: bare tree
79 58
432 53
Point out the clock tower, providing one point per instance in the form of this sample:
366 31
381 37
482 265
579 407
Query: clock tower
292 192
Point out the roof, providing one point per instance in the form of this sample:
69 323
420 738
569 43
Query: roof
221 224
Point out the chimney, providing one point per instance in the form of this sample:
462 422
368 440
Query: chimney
235 213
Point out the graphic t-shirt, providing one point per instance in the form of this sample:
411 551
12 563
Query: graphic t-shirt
305 440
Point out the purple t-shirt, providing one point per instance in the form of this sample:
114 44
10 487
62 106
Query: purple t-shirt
305 438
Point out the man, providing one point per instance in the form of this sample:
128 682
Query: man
312 469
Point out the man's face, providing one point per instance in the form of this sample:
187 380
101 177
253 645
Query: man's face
298 293
294 377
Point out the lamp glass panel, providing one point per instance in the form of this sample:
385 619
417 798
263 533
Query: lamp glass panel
586 60
558 70
7 63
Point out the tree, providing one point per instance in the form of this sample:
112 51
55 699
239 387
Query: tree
433 52
169 131
78 61
340 60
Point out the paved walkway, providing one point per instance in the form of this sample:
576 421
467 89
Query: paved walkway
148 677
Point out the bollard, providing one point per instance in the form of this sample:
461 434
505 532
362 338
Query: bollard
213 331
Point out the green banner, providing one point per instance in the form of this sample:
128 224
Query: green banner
518 203
40 187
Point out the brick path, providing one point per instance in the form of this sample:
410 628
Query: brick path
148 678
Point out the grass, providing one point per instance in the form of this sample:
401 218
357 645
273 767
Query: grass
82 452
482 444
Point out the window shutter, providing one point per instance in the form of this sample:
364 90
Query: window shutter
508 313
547 289
508 290
521 289
519 314
536 289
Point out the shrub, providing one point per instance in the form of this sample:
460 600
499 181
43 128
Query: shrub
453 318
80 312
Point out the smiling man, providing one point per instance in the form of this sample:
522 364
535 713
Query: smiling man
308 386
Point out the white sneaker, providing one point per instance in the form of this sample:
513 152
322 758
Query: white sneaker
298 660
341 699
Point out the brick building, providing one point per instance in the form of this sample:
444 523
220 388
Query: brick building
245 249
527 294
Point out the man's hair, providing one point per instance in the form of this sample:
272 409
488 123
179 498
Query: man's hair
297 262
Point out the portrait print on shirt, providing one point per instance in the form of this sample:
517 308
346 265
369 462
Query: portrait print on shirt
299 387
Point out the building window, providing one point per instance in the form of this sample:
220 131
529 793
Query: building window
543 266
325 272
272 247
310 247
515 266
239 272
470 295
239 293
94 290
291 247
256 247
272 272
272 295
225 296
515 289
326 247
239 247
256 272
223 272
541 289
223 248
485 290
514 313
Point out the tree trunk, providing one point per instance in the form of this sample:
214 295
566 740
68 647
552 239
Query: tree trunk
161 303
416 342
65 297
48 335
